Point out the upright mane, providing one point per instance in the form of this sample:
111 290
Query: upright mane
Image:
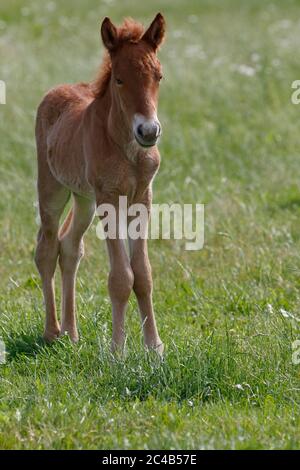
129 31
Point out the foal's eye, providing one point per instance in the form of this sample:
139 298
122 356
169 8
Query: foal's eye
159 77
119 81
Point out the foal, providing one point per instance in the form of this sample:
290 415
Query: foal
98 142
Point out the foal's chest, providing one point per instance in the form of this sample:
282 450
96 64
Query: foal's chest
132 186
135 178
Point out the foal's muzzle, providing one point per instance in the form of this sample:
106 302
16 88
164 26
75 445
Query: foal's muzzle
146 131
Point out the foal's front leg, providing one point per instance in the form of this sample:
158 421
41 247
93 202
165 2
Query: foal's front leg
120 283
143 290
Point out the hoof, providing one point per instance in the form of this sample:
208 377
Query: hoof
118 350
51 335
72 334
157 348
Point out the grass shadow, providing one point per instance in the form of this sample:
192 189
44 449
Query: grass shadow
290 204
27 344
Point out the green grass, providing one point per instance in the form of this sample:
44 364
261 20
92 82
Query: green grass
230 141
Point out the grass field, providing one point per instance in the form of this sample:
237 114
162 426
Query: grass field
231 141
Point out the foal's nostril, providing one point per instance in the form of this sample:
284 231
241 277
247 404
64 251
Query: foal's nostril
154 131
147 133
151 132
140 130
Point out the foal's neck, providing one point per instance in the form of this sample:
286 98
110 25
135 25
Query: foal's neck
115 120
117 125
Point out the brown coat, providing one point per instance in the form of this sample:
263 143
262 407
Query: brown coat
98 142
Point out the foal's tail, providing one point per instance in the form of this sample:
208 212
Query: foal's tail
66 224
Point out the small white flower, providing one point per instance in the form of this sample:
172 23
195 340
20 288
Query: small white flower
218 61
239 387
2 352
255 57
194 51
177 33
285 24
51 6
193 19
287 314
270 309
284 313
25 11
244 69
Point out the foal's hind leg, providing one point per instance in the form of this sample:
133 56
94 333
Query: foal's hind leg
52 200
71 251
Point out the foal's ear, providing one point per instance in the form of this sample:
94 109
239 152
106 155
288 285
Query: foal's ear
109 34
156 32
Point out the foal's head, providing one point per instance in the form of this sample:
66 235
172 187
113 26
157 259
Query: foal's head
135 74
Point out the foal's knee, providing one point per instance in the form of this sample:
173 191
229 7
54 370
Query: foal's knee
46 251
120 283
70 253
142 277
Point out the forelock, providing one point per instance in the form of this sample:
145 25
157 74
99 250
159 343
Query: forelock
130 31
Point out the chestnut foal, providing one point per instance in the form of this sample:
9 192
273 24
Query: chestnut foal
98 142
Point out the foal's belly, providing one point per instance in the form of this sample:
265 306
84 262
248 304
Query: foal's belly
66 160
72 177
